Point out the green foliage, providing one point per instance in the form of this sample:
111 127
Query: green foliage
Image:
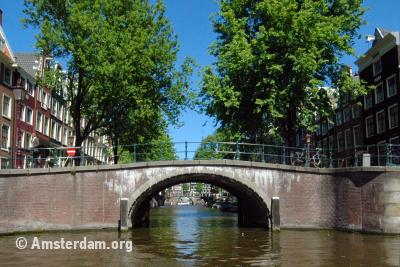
121 57
273 58
210 147
52 79
125 157
199 187
185 188
160 148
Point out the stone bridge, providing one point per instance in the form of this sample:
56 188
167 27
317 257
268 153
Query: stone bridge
361 199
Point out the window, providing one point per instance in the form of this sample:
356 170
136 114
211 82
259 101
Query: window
55 107
58 137
47 100
369 126
380 122
29 116
379 96
46 126
393 116
368 100
7 106
65 137
340 141
44 100
5 136
22 140
391 85
29 88
7 76
346 114
357 135
39 96
52 104
377 66
339 118
28 140
39 122
23 113
348 138
356 111
60 111
53 129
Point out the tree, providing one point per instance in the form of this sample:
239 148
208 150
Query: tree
212 148
185 189
199 187
273 58
120 64
160 148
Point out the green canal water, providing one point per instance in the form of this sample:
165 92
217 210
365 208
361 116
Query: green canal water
197 236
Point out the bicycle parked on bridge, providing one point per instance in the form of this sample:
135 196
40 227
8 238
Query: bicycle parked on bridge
299 158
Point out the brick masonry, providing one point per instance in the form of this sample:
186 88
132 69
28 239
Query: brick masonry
362 199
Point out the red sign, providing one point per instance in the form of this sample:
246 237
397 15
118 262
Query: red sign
71 152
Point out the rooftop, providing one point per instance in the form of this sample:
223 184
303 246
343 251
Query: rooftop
29 61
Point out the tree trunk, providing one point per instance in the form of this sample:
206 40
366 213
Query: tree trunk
290 128
115 143
79 152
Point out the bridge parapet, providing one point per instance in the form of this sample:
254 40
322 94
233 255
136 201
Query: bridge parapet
308 156
178 163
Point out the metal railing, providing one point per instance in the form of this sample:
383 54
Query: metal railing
55 157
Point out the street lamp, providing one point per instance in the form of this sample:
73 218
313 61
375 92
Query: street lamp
19 96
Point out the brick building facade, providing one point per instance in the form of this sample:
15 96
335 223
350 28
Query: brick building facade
368 123
6 98
380 68
36 131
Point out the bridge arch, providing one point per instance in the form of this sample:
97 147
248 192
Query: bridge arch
253 202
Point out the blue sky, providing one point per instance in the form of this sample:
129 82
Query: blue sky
191 21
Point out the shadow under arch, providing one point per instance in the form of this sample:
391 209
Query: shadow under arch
252 202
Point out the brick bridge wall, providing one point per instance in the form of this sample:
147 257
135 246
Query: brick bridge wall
365 199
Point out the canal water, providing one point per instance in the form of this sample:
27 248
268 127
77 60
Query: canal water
198 236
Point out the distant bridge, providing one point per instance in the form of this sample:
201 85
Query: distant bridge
365 199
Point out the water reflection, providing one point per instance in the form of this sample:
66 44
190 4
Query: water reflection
197 236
